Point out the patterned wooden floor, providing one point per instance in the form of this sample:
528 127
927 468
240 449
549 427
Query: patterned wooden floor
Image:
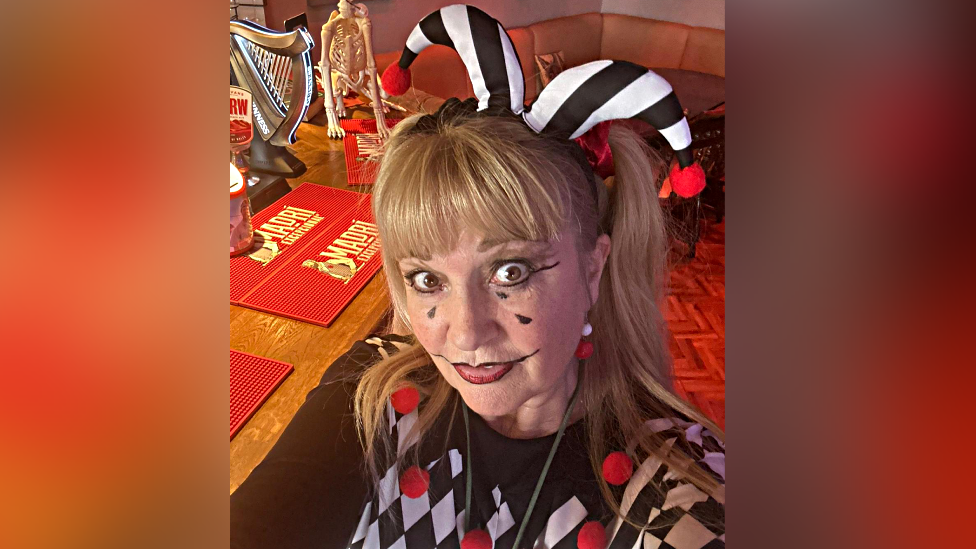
696 315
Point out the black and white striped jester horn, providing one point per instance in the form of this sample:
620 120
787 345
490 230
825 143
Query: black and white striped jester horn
484 47
582 97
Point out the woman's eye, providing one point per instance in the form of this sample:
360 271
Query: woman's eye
424 281
512 273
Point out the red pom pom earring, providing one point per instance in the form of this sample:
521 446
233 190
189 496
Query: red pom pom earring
585 348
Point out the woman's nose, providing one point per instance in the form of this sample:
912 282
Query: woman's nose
471 320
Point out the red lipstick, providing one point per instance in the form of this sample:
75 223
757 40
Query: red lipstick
483 374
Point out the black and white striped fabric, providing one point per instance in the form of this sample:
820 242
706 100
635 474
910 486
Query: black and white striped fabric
582 97
484 47
573 102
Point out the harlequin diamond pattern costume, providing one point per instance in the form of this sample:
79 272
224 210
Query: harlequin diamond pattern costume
505 470
311 491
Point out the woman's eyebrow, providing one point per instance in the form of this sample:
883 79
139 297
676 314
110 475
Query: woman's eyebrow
414 263
488 244
535 246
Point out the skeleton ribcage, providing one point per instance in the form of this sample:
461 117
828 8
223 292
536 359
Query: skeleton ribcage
348 37
277 68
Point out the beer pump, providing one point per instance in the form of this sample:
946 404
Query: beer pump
276 67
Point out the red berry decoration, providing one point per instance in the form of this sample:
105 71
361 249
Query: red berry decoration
414 482
476 539
592 536
405 400
618 468
584 349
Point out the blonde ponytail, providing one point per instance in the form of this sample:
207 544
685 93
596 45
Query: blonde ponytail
630 372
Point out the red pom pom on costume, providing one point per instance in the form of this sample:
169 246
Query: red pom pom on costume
414 482
476 539
597 149
617 468
687 182
592 536
395 81
405 400
584 349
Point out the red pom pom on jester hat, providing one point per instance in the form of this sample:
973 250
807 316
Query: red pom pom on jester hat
687 182
592 536
617 468
476 539
414 482
584 349
395 80
405 400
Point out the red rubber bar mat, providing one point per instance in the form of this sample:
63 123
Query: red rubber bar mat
283 228
362 145
324 276
252 380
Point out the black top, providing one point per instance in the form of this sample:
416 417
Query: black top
311 490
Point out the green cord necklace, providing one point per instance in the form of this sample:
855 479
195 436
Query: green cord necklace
545 469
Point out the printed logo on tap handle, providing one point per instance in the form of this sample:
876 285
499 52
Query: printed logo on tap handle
241 130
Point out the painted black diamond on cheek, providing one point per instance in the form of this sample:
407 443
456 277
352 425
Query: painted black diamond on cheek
432 312
523 319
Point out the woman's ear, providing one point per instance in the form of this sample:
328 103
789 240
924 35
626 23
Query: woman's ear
596 261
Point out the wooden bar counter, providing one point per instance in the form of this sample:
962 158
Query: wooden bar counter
311 349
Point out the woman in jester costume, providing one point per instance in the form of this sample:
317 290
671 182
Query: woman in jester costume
524 399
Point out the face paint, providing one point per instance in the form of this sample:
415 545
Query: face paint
499 366
486 372
432 312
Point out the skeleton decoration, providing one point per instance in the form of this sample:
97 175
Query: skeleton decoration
347 53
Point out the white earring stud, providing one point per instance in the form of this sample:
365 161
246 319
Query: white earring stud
587 329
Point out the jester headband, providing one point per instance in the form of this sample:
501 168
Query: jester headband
573 103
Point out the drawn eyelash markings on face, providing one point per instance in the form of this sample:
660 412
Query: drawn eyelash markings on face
523 319
546 268
412 275
530 270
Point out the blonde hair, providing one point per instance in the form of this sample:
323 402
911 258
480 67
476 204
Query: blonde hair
493 175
